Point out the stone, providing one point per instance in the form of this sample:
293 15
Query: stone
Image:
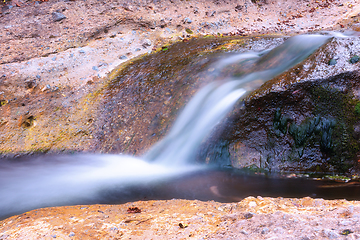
265 230
57 16
146 43
187 20
330 234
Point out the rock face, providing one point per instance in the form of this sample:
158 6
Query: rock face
53 86
143 99
67 61
310 126
304 120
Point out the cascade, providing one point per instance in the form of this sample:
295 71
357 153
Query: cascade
215 100
79 178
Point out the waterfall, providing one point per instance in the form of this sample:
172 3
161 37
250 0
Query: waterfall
81 178
211 104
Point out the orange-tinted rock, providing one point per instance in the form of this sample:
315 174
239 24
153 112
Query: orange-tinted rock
252 218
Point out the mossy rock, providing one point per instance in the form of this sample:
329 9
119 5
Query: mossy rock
310 127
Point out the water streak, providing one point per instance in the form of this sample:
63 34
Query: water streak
214 101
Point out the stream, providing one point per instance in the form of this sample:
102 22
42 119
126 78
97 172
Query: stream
167 171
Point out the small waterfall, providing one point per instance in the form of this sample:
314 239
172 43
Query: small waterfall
80 178
211 104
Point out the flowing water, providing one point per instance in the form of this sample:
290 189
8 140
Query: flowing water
162 173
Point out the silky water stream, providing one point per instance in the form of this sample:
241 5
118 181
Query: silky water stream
167 170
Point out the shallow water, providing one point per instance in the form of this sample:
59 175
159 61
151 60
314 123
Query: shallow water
43 181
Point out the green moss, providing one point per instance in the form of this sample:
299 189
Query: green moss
332 62
337 177
280 122
354 59
189 31
3 102
331 128
336 133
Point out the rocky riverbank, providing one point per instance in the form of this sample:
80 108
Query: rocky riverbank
55 56
251 218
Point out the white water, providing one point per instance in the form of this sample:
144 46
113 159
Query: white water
76 178
211 104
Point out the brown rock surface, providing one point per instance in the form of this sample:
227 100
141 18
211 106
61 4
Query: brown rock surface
66 60
251 218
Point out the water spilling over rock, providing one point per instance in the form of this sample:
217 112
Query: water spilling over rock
66 183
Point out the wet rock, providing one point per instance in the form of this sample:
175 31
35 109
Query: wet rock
310 123
316 138
56 16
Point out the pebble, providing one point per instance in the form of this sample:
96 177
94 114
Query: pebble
95 68
331 234
71 234
265 230
47 87
244 232
58 16
187 20
123 57
81 51
146 43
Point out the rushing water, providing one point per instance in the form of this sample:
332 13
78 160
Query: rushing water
76 179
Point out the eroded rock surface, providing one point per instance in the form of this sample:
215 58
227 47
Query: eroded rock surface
50 87
65 61
251 218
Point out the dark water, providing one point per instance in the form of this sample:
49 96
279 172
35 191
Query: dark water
232 185
29 183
